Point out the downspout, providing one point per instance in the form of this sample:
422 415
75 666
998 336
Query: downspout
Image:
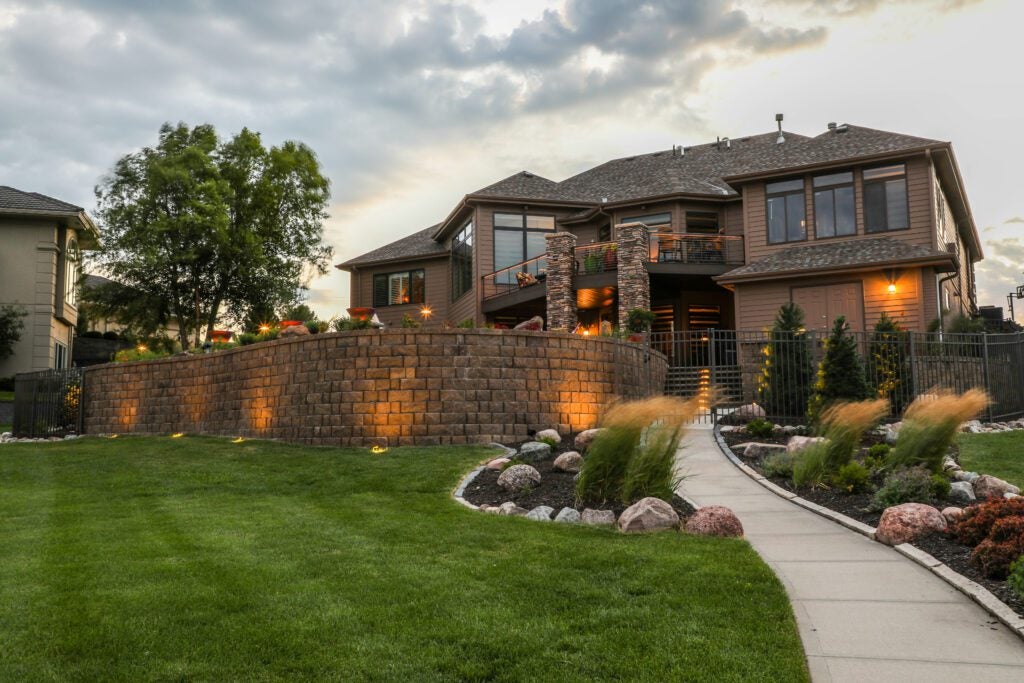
938 295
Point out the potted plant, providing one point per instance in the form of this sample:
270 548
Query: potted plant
610 256
591 263
639 323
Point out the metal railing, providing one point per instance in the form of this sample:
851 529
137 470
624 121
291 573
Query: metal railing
507 279
600 257
668 247
48 403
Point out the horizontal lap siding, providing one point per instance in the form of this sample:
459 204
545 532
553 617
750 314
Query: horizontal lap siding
437 276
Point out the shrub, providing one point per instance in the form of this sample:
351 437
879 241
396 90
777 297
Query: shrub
247 338
350 324
852 477
760 428
905 485
843 424
978 520
786 367
223 346
272 333
131 355
1004 545
91 334
410 323
887 363
778 465
639 320
879 451
11 325
549 441
466 324
1016 577
940 486
840 374
930 425
315 326
809 466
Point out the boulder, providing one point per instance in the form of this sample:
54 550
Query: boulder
510 509
648 514
491 509
1010 494
950 465
972 427
534 451
798 443
952 515
546 434
536 323
294 331
568 516
497 463
569 462
986 486
749 412
714 520
962 493
519 478
892 432
541 513
761 450
903 523
598 517
585 438
969 477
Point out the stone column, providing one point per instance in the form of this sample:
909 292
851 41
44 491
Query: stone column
634 283
561 296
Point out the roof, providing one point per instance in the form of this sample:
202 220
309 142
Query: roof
857 253
12 198
92 281
417 245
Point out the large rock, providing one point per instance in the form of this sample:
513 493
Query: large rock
598 517
541 513
498 463
749 412
534 451
969 477
648 514
972 427
757 450
294 331
962 492
510 509
904 523
952 515
549 434
585 438
892 432
519 478
536 323
568 516
714 520
986 486
569 462
799 443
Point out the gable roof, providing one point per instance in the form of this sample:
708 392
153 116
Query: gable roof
19 200
855 253
417 245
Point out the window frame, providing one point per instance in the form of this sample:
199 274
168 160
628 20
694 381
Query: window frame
387 278
72 271
60 355
697 214
883 182
462 244
768 196
831 189
524 230
649 224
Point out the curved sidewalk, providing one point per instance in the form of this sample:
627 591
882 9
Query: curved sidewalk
865 612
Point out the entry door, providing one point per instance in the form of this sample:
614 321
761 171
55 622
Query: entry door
822 304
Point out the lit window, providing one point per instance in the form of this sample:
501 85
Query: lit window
396 289
462 261
72 272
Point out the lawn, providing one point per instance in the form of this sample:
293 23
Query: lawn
6 396
1000 454
198 558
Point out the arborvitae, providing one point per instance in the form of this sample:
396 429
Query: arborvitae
787 371
888 363
840 374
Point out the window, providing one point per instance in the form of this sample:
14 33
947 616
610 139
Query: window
604 233
786 212
885 199
60 356
702 222
834 213
462 261
519 237
72 271
396 289
652 220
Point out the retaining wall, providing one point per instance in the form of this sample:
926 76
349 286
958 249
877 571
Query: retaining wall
395 387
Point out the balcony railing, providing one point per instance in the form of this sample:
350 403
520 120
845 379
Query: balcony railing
519 276
667 247
601 257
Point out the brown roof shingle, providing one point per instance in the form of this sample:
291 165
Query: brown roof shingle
418 244
19 200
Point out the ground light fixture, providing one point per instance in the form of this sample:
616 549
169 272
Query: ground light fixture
237 440
177 435
141 348
378 450
264 328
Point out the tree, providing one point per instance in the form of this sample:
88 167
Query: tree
786 371
840 374
206 227
11 324
141 314
888 370
300 312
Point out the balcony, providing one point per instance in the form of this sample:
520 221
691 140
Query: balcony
696 254
516 284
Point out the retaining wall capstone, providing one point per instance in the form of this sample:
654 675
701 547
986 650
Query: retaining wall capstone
393 388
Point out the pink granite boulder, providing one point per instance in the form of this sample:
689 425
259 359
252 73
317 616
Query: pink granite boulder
570 461
715 520
498 463
648 514
986 486
904 523
952 515
585 438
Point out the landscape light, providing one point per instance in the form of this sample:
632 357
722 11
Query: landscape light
264 328
377 450
177 435
142 348
426 312
238 440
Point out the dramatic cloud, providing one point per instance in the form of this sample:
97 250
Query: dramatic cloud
1015 219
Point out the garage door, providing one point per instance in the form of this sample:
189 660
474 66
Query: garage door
822 304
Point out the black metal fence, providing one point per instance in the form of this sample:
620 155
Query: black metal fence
778 370
48 403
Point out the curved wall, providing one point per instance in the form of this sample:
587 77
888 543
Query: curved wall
395 387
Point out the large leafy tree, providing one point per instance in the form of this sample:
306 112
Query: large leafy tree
210 228
11 325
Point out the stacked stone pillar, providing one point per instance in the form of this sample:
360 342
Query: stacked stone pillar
561 298
634 283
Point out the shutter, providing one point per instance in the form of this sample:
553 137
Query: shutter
380 290
418 287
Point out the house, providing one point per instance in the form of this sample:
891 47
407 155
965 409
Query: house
852 221
40 262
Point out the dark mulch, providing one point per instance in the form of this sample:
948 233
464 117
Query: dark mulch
733 438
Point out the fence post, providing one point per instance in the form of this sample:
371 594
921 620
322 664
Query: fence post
712 375
81 401
988 377
913 367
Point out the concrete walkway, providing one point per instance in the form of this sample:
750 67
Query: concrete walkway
865 612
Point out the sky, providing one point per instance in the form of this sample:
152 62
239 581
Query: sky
411 104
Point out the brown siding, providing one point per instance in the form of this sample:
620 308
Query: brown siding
437 282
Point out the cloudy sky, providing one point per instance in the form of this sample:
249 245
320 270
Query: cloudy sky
411 104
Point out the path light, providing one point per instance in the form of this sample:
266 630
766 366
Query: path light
112 436
378 450
238 440
264 328
142 348
177 435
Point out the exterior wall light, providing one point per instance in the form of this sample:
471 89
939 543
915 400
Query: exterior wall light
892 287
426 312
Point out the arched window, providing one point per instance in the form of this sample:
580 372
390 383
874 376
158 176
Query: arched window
72 271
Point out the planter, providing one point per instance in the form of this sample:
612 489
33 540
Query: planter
361 312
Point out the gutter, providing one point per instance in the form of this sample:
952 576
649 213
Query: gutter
821 165
791 274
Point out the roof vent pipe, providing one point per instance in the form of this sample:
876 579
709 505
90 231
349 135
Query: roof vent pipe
831 125
779 140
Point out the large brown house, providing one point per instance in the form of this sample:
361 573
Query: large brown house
852 221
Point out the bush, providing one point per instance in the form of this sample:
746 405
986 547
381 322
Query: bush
978 520
634 456
809 466
131 355
778 465
12 324
466 324
905 485
840 374
760 428
1016 577
91 334
888 363
111 335
1004 545
843 424
940 486
549 441
272 333
222 346
852 478
410 323
639 320
930 425
879 451
247 338
350 324
315 326
786 367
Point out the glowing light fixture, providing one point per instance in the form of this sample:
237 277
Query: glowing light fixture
892 287
177 435
142 348
426 312
377 450
264 328
238 440
586 333
112 436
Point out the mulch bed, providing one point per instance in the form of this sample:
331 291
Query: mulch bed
940 546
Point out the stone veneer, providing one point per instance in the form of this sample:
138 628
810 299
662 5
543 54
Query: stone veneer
561 295
634 283
396 387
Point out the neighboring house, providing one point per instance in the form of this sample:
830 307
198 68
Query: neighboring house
852 221
40 262
102 325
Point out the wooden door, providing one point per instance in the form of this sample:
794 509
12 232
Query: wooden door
822 304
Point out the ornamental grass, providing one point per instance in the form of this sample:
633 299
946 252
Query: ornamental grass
930 425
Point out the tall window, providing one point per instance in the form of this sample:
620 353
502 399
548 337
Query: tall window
519 237
834 213
462 261
396 289
72 271
702 222
60 356
786 212
885 199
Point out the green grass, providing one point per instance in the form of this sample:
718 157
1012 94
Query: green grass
199 559
6 428
1000 454
6 396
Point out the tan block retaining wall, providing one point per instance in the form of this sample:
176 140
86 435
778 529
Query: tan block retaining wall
397 387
